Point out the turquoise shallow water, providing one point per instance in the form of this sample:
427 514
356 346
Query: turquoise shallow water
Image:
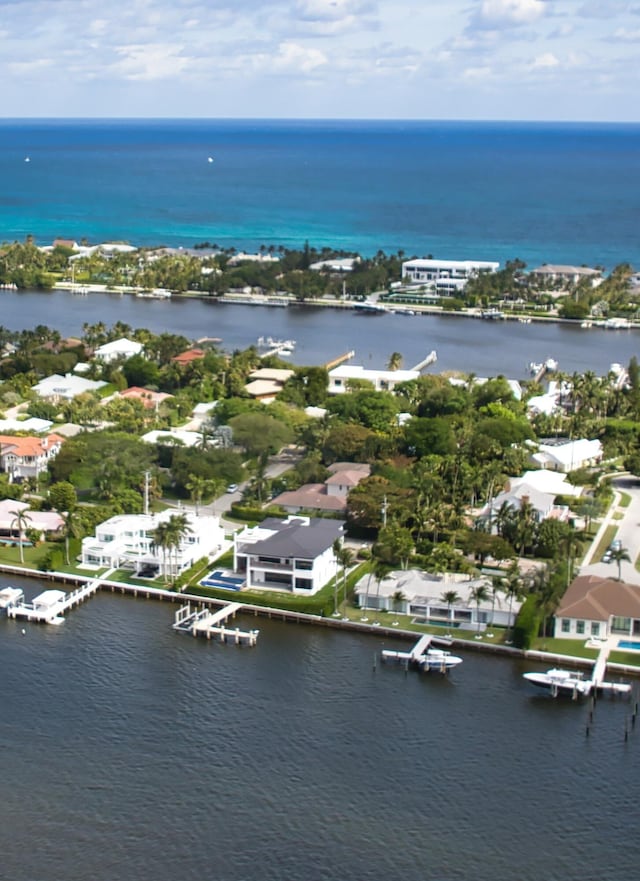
542 192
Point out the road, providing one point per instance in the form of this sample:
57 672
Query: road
628 533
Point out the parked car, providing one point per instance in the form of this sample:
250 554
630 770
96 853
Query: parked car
616 545
233 487
607 556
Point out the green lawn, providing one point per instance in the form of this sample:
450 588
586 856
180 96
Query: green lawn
575 647
625 500
607 537
631 659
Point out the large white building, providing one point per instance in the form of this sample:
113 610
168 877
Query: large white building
122 348
126 542
422 594
294 554
58 388
382 380
444 276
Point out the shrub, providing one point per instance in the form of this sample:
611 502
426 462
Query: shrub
527 623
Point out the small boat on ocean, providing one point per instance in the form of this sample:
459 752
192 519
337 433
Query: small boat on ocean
557 681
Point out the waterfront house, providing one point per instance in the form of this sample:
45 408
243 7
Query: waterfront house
122 348
598 607
295 555
23 457
570 275
56 388
420 594
382 380
189 356
126 541
445 276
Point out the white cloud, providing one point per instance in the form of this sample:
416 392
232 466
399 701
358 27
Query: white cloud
509 13
545 61
293 57
150 62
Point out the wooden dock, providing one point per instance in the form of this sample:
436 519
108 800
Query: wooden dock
204 622
49 607
339 360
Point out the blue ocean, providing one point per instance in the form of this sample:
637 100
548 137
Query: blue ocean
565 193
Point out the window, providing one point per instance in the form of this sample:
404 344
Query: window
595 628
579 626
304 564
620 625
566 625
304 583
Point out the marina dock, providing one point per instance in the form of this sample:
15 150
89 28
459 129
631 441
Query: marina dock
50 606
431 358
204 622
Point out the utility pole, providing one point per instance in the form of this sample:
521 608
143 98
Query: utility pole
384 511
147 479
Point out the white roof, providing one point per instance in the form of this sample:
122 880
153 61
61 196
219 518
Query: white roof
356 371
116 346
570 453
547 481
32 424
204 408
49 598
68 386
420 263
188 438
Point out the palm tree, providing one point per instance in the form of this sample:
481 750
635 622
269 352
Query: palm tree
196 488
346 557
336 548
512 587
451 598
395 361
177 529
478 594
380 571
496 587
160 541
71 526
22 520
620 556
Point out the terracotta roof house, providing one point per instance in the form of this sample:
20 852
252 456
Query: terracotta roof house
598 607
267 382
22 457
149 398
189 356
330 496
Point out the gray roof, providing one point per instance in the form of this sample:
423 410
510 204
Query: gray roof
297 539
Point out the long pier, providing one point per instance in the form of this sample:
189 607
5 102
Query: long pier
49 607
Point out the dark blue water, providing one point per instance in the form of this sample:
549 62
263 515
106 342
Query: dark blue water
541 192
130 751
486 348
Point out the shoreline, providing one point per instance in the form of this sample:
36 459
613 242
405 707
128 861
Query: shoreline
325 303
291 617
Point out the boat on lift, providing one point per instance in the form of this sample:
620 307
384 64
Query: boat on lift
557 681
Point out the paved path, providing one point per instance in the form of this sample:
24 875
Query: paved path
628 533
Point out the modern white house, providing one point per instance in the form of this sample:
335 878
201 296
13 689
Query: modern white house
383 380
445 276
126 542
122 348
553 273
561 454
23 457
294 555
598 607
421 594
56 388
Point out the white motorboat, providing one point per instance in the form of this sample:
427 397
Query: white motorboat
438 661
10 596
558 681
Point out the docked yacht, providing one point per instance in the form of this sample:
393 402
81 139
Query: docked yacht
558 681
438 661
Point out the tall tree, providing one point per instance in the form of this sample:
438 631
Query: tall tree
21 520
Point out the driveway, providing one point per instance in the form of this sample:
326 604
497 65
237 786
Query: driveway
628 533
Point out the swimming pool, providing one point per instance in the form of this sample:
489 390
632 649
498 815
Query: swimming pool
629 644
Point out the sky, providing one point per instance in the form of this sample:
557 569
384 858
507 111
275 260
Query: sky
369 59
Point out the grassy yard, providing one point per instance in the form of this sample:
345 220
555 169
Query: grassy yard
575 647
625 500
631 659
607 537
